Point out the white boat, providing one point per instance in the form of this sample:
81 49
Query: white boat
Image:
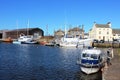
85 42
29 42
16 42
69 42
90 61
24 40
75 42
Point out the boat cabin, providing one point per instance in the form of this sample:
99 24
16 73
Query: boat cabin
90 56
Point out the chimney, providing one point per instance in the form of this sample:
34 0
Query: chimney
94 24
109 23
82 27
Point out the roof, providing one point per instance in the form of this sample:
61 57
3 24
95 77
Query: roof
90 30
24 29
116 31
92 51
76 29
59 31
102 25
86 34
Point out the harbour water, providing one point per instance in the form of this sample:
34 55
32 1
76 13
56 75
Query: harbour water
35 62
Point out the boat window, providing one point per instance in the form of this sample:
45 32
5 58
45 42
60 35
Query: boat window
85 55
94 56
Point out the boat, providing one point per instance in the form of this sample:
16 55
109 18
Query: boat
9 40
85 42
90 60
69 42
75 42
22 39
25 40
43 42
16 42
29 42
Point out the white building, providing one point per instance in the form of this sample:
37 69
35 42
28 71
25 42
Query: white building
116 33
101 32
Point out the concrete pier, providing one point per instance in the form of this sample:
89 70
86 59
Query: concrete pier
112 72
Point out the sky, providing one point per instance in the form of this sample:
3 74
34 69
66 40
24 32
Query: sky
51 15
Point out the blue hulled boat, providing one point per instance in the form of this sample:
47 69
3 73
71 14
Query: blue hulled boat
90 60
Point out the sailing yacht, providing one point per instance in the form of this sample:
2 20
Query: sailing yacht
25 39
75 42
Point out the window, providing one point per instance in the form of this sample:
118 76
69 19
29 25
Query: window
94 56
85 55
99 37
107 32
99 32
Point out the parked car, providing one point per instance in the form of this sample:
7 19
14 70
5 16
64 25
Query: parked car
116 40
101 41
95 41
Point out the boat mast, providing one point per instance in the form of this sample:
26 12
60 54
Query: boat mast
65 25
65 31
17 28
28 28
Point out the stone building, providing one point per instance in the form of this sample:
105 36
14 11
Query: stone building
73 32
76 32
59 34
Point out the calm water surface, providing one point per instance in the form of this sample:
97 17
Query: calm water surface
35 62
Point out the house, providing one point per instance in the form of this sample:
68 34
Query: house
86 35
73 32
116 33
59 34
101 32
76 32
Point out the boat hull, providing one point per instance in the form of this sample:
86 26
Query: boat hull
68 45
89 70
16 42
29 42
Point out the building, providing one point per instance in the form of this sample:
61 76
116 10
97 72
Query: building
59 34
35 32
116 33
76 32
3 34
86 35
101 32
